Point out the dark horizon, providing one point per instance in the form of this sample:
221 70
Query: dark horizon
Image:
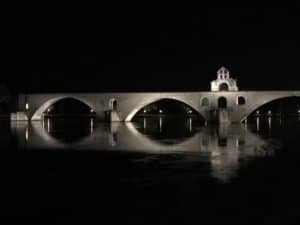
227 155
147 47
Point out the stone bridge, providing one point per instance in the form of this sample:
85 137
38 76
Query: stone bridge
239 104
224 103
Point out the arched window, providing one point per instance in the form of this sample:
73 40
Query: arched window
222 103
223 87
205 102
241 100
113 104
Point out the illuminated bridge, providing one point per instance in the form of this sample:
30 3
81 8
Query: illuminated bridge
223 104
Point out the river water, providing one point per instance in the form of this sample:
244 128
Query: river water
153 171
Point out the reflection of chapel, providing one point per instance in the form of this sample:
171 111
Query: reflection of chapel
223 81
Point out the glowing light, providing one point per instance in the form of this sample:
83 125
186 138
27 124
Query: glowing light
205 123
26 106
145 123
48 125
237 143
91 110
26 134
190 125
92 125
160 124
48 110
160 111
145 110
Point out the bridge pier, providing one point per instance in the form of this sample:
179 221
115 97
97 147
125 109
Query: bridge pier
220 116
223 116
18 116
112 116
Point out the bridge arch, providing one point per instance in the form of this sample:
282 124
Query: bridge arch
143 104
254 107
38 113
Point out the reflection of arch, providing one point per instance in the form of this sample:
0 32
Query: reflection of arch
222 103
254 107
37 115
223 87
224 161
45 136
142 105
155 130
205 101
241 100
160 145
64 132
113 104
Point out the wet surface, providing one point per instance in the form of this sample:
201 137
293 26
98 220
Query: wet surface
153 171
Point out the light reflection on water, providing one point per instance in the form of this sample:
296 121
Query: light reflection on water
225 148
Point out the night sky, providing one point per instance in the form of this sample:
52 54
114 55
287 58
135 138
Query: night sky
147 47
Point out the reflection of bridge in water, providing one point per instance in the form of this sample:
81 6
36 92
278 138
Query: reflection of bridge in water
224 147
